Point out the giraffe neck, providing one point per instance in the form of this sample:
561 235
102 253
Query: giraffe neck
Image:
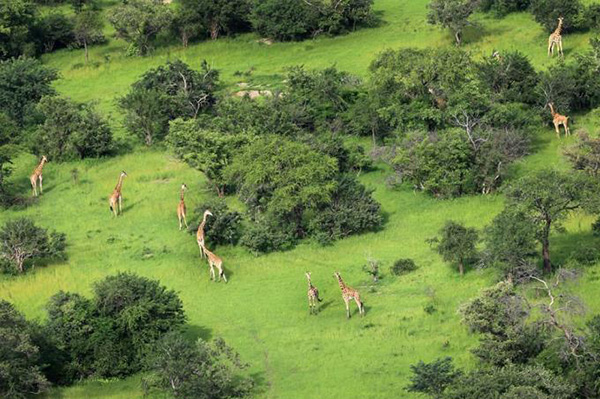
203 222
558 29
119 184
552 110
309 284
182 195
341 283
38 170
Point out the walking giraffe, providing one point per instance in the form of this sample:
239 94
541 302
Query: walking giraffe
555 39
181 209
214 261
36 176
116 199
349 293
313 296
558 120
200 233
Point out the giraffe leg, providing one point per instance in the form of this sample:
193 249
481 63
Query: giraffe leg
185 221
179 218
41 188
360 306
212 272
557 130
550 48
347 308
223 275
120 205
33 187
560 48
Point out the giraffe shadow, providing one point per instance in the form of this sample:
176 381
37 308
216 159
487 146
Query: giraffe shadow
131 205
194 332
324 306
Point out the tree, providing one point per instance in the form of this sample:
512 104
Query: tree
205 150
166 93
5 172
20 375
53 31
16 19
452 14
202 370
138 22
71 130
547 12
88 29
23 82
21 240
223 228
285 20
585 155
546 198
457 244
216 16
511 243
433 378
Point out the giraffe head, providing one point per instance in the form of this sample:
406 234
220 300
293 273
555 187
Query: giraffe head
307 275
560 20
183 186
44 159
207 213
337 275
123 174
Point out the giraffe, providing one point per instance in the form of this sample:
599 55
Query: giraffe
181 209
214 261
200 233
349 293
313 295
116 198
555 39
558 120
37 176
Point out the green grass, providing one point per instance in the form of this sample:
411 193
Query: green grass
263 311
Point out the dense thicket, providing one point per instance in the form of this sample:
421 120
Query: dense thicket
166 93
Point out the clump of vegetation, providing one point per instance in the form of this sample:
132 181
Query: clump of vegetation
200 370
223 228
433 378
457 244
71 131
403 266
22 242
452 14
166 93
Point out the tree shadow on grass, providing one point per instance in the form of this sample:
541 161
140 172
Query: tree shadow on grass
475 34
194 332
565 248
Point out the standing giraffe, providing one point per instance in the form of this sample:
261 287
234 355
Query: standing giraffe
214 261
558 120
200 233
116 198
555 39
181 209
349 293
37 176
313 295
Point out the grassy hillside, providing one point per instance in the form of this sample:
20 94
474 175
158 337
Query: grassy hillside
262 312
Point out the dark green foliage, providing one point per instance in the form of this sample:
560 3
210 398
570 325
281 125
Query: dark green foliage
352 210
592 16
585 155
20 375
433 378
511 78
5 172
403 266
295 20
545 198
546 12
23 82
211 17
452 14
500 314
503 7
53 31
138 22
267 234
110 335
205 150
166 93
16 19
457 244
71 131
87 30
21 242
198 370
510 382
223 228
511 244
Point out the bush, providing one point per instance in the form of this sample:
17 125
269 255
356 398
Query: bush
547 12
264 235
21 242
202 370
166 93
457 244
23 82
403 266
223 228
503 7
71 131
20 375
53 31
